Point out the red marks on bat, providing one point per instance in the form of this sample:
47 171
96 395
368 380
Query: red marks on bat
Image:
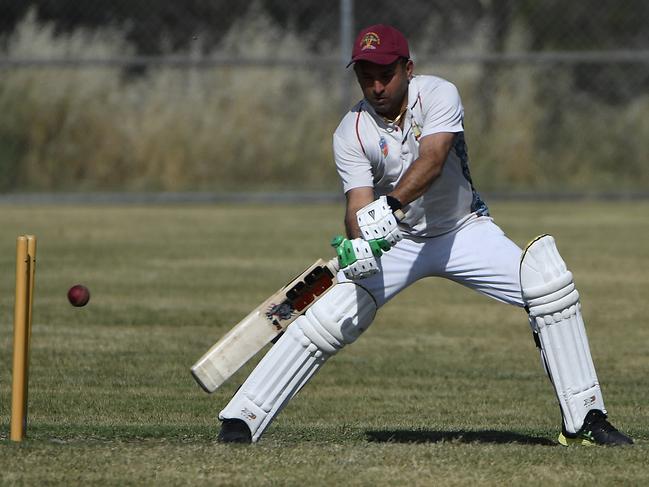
300 296
314 284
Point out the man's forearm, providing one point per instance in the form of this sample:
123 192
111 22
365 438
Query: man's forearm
433 151
357 198
351 225
416 181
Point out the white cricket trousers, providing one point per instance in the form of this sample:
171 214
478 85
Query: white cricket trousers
477 255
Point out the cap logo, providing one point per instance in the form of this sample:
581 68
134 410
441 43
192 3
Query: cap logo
370 41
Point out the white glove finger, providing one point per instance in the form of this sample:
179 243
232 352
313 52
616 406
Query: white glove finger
382 224
389 226
378 230
362 273
391 221
391 234
393 237
362 249
360 268
372 266
355 270
365 264
369 264
367 233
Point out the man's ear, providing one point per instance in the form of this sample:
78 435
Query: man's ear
410 69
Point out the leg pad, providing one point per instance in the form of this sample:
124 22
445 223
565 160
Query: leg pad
553 304
337 319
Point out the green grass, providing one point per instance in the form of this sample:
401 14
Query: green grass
445 388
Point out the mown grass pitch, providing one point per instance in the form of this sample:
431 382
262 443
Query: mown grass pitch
445 388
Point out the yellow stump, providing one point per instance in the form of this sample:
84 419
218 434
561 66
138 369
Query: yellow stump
25 267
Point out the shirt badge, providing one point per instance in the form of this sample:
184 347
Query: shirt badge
416 130
383 144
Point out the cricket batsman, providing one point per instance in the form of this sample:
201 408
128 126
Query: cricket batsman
412 211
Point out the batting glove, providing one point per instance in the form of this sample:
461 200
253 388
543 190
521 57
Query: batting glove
357 257
377 220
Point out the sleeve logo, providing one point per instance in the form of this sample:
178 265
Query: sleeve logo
383 145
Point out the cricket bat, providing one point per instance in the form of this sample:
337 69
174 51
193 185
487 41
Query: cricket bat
264 324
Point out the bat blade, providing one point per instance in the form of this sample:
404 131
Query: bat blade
263 324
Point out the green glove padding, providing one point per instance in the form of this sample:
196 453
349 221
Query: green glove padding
345 249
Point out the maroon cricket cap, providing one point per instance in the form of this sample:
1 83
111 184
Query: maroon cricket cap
380 44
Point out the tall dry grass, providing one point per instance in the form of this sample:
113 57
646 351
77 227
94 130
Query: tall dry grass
171 129
99 128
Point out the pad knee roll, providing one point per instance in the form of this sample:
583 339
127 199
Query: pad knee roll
552 301
336 320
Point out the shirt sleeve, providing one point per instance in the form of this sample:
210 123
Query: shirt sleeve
443 110
352 165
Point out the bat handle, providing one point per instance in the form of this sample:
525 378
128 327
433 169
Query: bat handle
399 215
333 265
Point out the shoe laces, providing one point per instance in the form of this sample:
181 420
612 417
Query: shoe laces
599 418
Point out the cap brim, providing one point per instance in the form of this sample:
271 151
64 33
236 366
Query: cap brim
375 58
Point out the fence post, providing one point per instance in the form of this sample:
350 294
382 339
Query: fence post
346 39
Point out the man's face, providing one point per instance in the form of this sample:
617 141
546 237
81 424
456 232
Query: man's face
385 86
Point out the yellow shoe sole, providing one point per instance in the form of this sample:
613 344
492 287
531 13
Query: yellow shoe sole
565 441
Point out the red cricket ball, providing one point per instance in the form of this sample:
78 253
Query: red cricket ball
78 295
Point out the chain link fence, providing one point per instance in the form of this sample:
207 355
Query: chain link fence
214 96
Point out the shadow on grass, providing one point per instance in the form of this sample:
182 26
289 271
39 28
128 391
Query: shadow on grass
425 436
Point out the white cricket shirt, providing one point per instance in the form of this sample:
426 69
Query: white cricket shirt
369 152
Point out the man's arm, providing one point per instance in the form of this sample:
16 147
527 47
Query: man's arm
357 198
433 150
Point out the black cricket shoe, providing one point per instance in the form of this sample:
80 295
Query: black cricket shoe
234 431
595 431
